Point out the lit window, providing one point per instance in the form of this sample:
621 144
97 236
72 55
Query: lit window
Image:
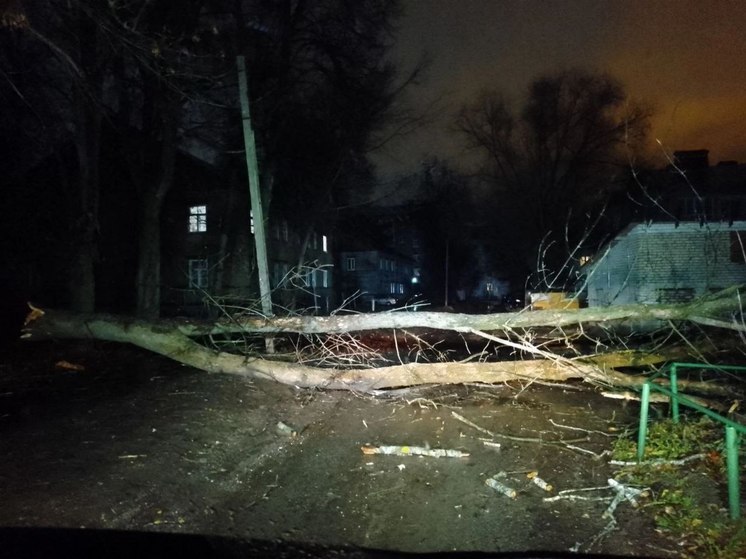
392 287
251 215
401 288
584 260
324 278
350 264
324 243
198 270
197 219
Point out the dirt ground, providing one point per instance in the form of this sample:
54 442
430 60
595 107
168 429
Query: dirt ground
136 442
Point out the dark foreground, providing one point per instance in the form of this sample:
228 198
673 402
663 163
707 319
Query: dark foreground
134 447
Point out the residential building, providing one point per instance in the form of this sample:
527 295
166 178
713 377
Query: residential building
208 249
684 240
692 190
380 257
667 263
377 279
301 266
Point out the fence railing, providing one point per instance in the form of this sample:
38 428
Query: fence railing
733 429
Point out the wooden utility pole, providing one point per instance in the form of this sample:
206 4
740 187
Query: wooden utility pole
260 238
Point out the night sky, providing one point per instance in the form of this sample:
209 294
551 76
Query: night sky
687 58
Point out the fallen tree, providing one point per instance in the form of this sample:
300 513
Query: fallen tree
176 339
717 310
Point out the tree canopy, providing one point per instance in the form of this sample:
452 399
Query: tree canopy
112 92
555 160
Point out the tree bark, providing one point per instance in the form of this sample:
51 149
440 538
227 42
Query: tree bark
172 339
161 338
87 93
149 246
720 310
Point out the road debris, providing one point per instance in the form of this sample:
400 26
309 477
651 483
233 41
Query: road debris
623 493
659 461
492 444
499 486
536 480
286 430
572 495
413 451
66 365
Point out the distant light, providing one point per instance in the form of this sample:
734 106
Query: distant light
324 246
415 279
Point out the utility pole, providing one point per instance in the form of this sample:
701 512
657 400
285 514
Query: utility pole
260 238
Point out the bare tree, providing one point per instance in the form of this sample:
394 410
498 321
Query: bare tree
114 77
557 160
539 346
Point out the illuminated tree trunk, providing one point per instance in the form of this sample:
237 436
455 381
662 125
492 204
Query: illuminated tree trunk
173 339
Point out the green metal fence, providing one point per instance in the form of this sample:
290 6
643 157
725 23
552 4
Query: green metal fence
733 430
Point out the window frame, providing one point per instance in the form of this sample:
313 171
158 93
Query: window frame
199 269
197 219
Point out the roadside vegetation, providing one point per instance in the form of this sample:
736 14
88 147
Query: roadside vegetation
687 496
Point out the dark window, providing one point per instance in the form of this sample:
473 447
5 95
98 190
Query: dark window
198 270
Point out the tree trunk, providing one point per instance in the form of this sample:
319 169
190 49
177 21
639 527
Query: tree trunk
149 261
149 246
167 341
82 279
721 310
172 339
